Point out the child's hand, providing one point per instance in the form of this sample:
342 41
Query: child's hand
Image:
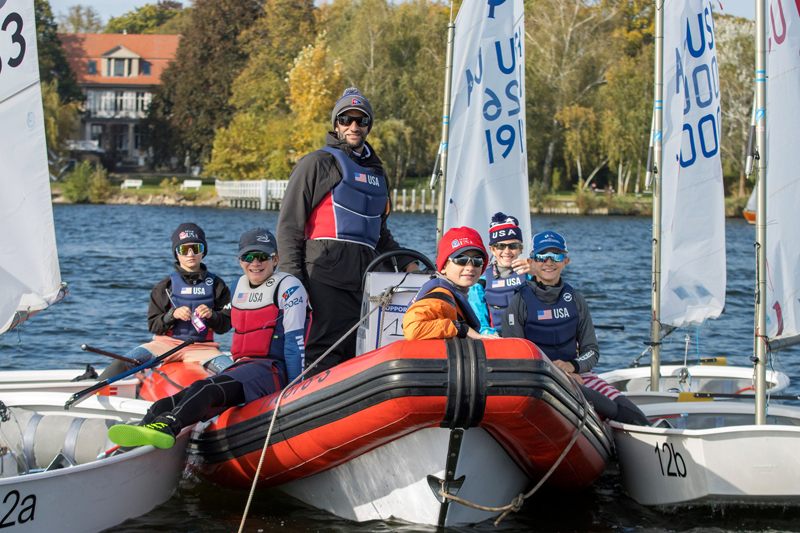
522 265
203 311
182 313
577 378
472 334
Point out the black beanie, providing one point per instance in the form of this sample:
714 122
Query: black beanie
186 233
352 99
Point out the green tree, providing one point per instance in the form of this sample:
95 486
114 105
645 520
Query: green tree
52 58
193 100
80 19
253 146
145 19
736 56
60 123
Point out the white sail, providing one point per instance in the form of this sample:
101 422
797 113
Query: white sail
693 201
488 170
29 275
783 179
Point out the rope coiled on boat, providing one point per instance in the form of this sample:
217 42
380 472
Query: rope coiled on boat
383 300
516 503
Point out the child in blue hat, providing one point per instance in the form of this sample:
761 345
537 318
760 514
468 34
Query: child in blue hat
553 315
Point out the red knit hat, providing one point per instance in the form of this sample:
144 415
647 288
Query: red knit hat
457 241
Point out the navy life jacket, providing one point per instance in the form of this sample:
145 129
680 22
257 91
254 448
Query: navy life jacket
553 328
498 293
191 296
352 210
463 309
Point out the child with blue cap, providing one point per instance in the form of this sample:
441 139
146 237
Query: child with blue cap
554 316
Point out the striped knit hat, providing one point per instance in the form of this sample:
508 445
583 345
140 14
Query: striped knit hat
504 228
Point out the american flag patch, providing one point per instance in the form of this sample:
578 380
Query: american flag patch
547 314
498 283
361 177
186 290
241 297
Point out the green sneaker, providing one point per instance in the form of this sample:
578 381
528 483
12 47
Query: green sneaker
157 433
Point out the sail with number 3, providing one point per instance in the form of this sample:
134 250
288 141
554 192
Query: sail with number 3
693 220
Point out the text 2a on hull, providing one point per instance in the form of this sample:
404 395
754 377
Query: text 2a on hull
399 409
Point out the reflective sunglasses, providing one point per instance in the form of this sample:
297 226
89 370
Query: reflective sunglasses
464 260
541 258
252 256
346 120
503 245
196 249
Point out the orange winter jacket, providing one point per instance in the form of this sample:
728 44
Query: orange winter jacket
434 318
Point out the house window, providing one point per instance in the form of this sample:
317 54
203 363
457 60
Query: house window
137 137
141 103
96 132
119 67
119 100
92 67
145 68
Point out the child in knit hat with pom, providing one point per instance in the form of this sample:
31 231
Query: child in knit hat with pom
506 274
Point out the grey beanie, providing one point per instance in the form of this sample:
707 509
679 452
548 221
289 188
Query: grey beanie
352 99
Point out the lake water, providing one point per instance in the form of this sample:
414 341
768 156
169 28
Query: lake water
112 256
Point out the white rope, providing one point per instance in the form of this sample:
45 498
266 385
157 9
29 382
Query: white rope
383 300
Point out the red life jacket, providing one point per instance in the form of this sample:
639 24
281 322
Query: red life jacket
254 316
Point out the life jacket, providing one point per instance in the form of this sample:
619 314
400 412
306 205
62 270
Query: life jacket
256 319
191 296
498 293
352 210
553 328
459 301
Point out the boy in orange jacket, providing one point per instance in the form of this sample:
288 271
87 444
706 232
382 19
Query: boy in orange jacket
441 309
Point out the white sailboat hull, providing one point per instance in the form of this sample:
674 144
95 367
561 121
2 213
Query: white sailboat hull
737 463
635 382
97 495
391 482
59 381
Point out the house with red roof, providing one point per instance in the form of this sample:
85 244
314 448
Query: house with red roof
118 74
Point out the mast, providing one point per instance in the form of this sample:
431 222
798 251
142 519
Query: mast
448 81
658 109
761 213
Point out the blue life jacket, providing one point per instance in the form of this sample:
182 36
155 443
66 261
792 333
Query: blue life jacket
191 296
463 309
553 328
352 210
498 293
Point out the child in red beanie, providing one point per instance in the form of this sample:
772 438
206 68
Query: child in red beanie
441 309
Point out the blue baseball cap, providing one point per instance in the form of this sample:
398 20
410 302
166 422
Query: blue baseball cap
548 239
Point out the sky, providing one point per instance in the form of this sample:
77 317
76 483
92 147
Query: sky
115 8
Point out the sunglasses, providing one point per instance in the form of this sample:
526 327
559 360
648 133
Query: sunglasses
464 260
541 258
252 256
503 245
346 120
195 248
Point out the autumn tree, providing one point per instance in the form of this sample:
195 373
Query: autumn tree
193 100
735 53
52 58
60 124
581 142
80 19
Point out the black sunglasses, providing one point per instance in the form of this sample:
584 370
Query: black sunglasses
252 256
346 120
504 245
464 260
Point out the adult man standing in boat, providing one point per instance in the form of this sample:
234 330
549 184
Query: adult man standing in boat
332 224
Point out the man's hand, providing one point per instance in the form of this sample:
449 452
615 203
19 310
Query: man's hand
565 366
412 267
203 311
182 313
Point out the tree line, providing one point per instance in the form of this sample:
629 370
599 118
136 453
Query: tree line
253 83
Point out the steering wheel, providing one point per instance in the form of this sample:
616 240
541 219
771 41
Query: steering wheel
429 266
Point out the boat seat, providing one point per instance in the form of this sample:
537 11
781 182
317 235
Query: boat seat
36 439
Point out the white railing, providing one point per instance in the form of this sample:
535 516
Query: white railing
264 191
